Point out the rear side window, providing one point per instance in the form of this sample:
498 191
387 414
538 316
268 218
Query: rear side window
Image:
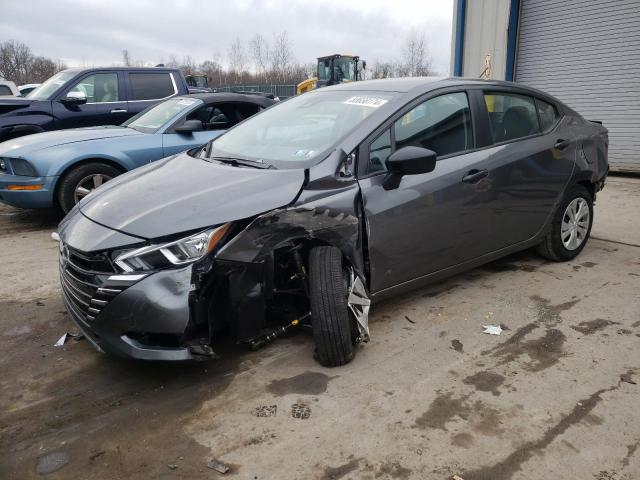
547 113
4 90
511 116
223 115
441 124
151 86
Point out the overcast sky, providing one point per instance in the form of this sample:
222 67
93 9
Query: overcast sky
93 33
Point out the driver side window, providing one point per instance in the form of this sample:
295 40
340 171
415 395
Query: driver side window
98 88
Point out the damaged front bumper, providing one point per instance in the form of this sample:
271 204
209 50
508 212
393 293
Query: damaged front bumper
135 316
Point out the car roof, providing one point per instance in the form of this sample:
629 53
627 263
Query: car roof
115 69
219 97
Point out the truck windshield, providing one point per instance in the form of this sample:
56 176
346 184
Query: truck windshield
345 69
300 130
152 119
50 86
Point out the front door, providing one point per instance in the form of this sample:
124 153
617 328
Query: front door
434 220
102 92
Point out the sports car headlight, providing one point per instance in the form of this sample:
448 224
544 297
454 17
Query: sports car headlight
22 167
180 252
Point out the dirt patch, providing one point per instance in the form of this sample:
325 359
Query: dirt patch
588 264
592 326
334 473
307 383
394 470
542 352
550 314
440 291
485 382
457 345
505 469
445 408
464 440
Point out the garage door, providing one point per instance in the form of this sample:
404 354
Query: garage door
587 53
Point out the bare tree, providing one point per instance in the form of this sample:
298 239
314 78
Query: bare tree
188 66
236 59
281 55
259 50
126 58
416 59
382 69
15 61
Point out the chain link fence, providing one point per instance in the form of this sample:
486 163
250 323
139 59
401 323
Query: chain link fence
281 91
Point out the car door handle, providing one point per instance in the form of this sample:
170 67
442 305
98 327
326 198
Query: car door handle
474 176
118 110
561 144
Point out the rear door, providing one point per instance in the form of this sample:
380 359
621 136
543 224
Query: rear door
146 88
215 118
531 156
434 220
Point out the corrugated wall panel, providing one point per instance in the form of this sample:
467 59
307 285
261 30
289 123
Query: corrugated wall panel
587 53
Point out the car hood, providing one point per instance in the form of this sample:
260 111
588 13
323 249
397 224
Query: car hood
183 193
30 143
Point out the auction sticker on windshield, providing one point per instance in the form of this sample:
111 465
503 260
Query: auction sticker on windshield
372 102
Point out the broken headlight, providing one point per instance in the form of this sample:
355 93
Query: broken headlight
179 252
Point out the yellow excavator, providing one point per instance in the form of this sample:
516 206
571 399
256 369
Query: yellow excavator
333 69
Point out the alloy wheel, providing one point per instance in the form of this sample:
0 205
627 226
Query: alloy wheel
88 184
575 223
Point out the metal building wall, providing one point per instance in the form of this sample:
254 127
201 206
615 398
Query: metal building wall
587 54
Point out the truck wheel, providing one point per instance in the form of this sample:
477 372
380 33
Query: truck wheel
82 180
332 329
570 227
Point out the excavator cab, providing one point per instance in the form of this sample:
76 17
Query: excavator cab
333 69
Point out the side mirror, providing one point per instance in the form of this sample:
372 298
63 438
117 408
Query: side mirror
189 126
408 161
74 98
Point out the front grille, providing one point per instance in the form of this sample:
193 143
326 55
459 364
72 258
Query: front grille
83 277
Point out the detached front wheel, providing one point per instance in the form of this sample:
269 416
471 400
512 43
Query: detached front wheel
81 181
333 332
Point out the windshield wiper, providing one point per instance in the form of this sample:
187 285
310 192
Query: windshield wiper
236 162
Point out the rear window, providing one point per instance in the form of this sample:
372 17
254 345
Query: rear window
547 113
151 86
511 115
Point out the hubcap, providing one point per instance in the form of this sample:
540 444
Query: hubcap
89 184
359 304
575 224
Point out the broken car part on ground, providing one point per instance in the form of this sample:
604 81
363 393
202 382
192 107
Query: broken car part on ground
322 204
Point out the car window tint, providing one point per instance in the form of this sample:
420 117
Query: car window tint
547 114
441 124
98 88
151 86
511 116
4 90
379 151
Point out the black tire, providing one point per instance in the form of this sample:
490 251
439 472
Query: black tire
552 247
68 183
332 332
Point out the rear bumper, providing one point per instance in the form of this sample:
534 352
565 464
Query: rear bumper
42 198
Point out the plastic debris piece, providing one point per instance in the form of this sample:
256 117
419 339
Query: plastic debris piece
55 237
61 340
492 329
172 466
217 466
457 477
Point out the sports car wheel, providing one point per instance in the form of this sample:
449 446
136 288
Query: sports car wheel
81 181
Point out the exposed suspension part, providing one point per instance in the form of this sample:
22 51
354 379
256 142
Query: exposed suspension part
276 332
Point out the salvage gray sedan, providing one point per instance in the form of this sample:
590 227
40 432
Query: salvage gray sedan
306 213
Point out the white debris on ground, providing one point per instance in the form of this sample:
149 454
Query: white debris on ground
492 329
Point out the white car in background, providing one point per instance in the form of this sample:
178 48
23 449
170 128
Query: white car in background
28 88
8 89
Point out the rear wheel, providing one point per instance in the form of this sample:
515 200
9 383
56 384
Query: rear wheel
332 325
571 226
81 181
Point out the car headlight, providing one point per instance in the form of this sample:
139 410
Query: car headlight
180 252
21 167
3 165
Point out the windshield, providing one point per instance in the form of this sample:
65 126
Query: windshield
49 87
152 119
299 130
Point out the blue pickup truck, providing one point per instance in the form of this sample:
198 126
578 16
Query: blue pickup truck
87 97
